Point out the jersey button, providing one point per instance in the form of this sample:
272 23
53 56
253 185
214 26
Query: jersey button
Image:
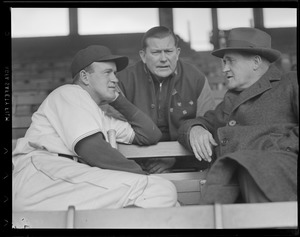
232 123
224 141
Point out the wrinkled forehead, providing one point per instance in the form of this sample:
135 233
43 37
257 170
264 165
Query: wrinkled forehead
231 54
236 54
161 42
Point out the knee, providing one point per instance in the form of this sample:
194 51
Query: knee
250 191
165 190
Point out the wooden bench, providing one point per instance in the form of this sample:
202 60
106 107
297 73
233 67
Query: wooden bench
21 121
20 126
228 216
189 215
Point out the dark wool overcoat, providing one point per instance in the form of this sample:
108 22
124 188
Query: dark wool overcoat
257 129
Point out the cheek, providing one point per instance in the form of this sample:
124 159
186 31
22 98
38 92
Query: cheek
244 74
101 87
240 79
151 62
173 61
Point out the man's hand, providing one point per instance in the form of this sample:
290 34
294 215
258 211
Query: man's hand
201 142
158 165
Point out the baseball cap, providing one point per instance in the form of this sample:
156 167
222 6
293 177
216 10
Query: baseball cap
96 53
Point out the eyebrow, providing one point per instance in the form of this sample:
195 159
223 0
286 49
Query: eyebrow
161 50
227 57
108 70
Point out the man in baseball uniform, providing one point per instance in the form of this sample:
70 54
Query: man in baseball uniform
65 158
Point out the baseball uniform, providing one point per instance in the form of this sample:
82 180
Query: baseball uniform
43 180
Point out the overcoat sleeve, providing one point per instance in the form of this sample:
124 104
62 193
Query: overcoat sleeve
290 141
211 121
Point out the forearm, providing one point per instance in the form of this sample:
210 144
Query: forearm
146 131
95 151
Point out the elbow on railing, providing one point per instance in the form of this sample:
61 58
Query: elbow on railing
148 138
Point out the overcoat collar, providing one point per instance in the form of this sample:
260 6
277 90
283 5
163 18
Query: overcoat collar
259 87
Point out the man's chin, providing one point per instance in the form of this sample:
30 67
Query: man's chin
163 74
107 100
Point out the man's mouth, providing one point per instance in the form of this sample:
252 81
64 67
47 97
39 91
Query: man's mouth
163 67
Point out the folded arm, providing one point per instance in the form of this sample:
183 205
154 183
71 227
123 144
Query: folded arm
96 152
146 131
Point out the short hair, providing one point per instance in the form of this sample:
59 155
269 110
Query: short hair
88 69
245 53
158 32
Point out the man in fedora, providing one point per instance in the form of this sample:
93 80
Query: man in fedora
65 158
252 136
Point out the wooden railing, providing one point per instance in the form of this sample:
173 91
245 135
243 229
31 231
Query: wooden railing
228 216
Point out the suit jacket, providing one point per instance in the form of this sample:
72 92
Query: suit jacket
257 129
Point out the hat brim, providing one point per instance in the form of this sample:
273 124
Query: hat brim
121 61
270 54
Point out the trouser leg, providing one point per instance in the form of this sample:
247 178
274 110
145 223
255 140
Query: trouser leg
159 192
249 189
39 186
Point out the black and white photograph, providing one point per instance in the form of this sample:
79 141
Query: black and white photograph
153 117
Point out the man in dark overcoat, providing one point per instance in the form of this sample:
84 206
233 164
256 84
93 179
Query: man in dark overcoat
251 138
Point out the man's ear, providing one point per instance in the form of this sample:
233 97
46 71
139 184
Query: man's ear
84 77
143 55
178 52
257 62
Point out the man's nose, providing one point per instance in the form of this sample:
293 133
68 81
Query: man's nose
225 68
163 56
114 78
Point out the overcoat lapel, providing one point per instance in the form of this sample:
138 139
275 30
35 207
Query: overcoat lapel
259 87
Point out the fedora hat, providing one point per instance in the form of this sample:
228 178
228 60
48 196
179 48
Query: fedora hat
96 53
250 40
